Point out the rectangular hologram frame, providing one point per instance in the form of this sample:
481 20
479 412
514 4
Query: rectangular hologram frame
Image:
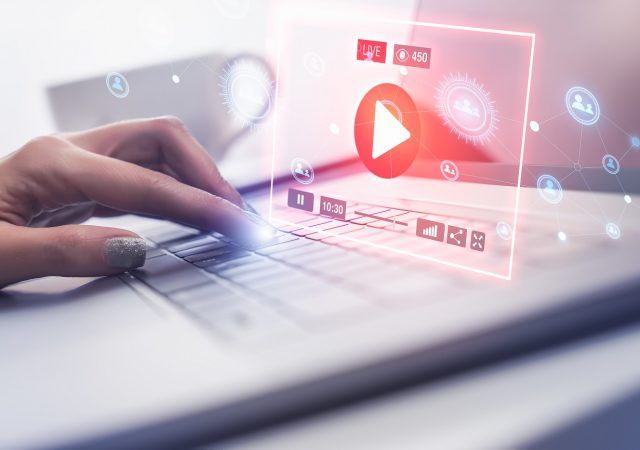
504 276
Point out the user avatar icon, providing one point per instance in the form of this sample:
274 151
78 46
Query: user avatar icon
302 171
613 231
314 64
582 106
611 164
503 229
117 85
578 104
465 107
449 170
550 189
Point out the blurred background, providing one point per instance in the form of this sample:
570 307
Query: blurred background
593 44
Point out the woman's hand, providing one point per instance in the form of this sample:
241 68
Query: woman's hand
152 167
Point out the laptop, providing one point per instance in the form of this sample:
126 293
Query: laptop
375 279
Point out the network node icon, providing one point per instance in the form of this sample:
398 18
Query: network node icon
582 105
246 88
117 84
611 164
635 141
466 108
449 170
550 189
504 231
314 64
302 171
613 231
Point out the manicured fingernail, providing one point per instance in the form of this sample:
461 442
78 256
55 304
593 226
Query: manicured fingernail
125 252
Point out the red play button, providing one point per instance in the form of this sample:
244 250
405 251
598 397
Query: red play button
387 130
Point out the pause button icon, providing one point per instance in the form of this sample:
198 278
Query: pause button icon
300 200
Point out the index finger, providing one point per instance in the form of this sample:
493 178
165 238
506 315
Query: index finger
77 176
143 141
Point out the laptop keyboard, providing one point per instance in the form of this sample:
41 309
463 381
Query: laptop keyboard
300 281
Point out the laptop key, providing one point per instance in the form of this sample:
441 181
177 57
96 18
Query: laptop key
283 247
205 247
209 254
171 233
191 242
222 258
223 262
168 274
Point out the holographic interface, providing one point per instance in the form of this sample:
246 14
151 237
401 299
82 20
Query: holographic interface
389 96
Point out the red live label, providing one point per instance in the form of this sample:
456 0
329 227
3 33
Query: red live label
375 51
408 55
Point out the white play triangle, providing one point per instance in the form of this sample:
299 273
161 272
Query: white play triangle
388 132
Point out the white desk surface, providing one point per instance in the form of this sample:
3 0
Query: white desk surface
502 406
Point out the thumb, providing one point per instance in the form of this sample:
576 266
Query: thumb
70 250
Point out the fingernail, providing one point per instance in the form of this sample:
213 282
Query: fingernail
125 252
255 218
265 231
247 207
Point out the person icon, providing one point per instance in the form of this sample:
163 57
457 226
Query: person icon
550 189
465 107
449 170
589 109
578 104
117 84
582 105
302 171
611 164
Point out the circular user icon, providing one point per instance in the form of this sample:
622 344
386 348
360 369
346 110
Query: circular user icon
613 231
504 230
449 170
314 64
246 87
611 164
550 189
466 108
117 85
387 130
302 171
582 105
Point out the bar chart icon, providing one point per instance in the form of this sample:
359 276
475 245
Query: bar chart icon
429 229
